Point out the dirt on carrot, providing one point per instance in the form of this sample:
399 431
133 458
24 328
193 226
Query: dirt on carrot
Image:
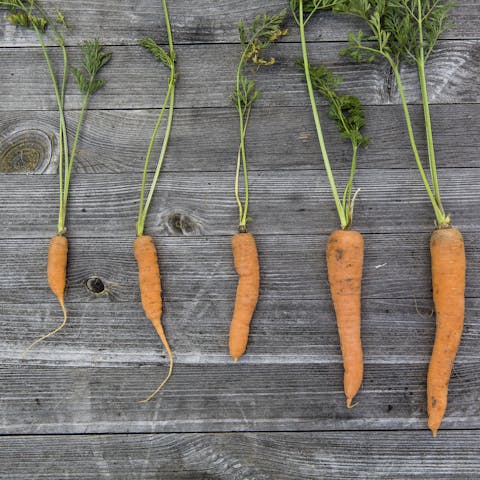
246 264
448 282
345 264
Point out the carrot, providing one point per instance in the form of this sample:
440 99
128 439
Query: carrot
345 264
57 279
151 294
448 281
246 264
264 31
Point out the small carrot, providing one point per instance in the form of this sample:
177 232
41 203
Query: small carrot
345 264
151 294
246 264
448 282
57 279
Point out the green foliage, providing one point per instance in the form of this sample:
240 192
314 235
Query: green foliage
94 58
255 39
24 19
310 7
398 28
345 110
158 52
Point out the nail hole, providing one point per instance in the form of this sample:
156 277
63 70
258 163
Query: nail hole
95 285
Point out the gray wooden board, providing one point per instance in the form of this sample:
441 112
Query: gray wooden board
203 204
205 139
225 397
452 76
250 456
87 378
198 21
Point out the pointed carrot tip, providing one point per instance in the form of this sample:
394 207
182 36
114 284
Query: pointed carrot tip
434 432
235 359
349 402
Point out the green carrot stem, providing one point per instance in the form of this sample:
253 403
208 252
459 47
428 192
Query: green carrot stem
150 149
426 110
439 214
141 220
338 204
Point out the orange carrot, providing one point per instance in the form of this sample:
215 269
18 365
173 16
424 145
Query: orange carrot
448 281
57 279
345 264
151 294
246 264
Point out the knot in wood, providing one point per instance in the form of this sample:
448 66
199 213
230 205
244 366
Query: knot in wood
26 151
95 285
182 223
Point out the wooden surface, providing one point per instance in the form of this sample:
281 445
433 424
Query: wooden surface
69 410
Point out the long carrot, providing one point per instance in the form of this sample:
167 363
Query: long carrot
246 264
345 264
144 248
57 279
448 282
151 294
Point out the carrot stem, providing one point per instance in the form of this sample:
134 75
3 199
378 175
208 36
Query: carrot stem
331 179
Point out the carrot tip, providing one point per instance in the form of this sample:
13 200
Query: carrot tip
349 403
434 432
235 359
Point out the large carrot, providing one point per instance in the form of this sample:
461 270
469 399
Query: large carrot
246 264
345 264
151 294
344 247
448 282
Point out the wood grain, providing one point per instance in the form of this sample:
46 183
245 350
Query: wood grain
206 77
203 204
199 21
206 139
251 456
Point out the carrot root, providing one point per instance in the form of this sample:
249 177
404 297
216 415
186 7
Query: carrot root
448 281
57 280
246 264
345 264
151 295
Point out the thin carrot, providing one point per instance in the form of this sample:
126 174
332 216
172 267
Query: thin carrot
57 279
144 248
151 294
345 264
246 264
448 281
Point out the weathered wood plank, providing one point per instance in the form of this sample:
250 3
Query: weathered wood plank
252 456
204 204
292 266
206 139
282 332
235 397
206 74
200 21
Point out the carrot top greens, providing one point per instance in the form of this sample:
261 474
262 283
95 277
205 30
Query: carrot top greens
168 58
400 31
345 110
30 14
263 32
